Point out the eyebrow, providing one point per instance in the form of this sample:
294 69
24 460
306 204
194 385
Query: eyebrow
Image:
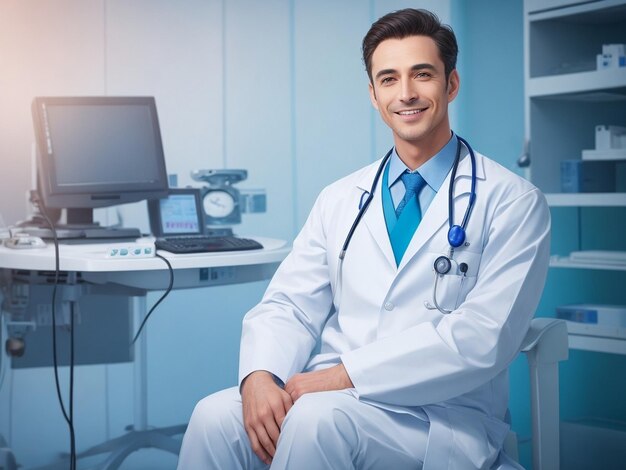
413 69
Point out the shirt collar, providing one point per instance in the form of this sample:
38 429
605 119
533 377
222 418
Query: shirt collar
434 170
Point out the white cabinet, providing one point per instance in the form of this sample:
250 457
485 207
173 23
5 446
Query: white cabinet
566 97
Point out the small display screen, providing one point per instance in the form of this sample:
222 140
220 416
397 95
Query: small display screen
179 215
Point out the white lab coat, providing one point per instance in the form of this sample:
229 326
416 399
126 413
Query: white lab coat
448 368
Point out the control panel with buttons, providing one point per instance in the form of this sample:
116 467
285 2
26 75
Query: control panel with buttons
132 250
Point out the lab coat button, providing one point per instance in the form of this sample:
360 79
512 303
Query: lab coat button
389 306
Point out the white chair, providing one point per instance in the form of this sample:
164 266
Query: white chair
545 346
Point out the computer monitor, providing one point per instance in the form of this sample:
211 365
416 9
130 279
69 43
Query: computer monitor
97 152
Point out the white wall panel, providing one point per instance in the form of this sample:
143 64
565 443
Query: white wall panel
258 113
46 48
332 107
172 51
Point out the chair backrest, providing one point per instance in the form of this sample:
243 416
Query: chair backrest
545 345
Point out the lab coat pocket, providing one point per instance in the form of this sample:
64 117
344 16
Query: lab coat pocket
448 291
453 287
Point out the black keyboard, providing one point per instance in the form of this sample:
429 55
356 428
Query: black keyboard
206 244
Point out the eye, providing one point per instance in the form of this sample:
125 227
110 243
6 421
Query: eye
387 80
423 75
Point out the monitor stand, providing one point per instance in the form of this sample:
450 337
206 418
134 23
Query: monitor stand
81 227
91 234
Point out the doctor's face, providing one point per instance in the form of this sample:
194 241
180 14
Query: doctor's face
411 93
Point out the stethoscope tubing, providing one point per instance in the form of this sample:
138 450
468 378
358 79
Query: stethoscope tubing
364 205
456 233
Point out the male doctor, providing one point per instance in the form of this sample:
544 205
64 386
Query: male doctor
377 361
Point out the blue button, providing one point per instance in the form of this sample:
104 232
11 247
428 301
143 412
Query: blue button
123 252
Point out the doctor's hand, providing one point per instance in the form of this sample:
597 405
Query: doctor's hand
265 405
333 378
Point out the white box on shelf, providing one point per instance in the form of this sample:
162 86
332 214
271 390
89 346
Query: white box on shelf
613 56
604 61
610 137
614 49
590 314
604 154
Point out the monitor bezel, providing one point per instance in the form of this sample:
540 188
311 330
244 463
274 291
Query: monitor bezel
91 196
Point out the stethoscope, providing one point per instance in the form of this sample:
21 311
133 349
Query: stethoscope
456 233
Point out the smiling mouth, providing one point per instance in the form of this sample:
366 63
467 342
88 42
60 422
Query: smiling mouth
410 112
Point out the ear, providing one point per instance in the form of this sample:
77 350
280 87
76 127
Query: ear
454 82
373 96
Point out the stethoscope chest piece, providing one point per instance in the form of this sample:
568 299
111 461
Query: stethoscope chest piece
442 265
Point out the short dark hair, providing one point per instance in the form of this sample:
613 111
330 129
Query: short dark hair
411 22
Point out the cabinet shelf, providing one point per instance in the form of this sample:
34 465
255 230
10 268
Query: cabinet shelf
564 262
586 199
602 11
595 85
597 344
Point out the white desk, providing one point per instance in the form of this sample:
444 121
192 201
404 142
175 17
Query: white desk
88 265
92 258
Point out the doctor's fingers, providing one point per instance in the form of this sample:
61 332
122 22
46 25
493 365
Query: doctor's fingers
281 412
266 434
262 424
258 448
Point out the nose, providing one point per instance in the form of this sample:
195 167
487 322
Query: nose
408 91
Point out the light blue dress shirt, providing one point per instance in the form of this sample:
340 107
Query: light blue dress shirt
434 172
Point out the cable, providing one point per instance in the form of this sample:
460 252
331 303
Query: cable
69 418
72 433
167 291
4 360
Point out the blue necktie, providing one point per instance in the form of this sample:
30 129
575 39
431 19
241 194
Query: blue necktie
413 182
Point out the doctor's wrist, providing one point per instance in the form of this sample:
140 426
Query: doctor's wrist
260 376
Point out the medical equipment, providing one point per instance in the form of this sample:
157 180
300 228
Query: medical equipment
222 202
81 167
456 233
178 223
24 241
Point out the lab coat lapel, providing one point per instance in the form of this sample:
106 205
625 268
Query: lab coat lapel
374 219
437 214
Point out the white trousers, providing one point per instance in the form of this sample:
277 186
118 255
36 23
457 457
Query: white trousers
324 430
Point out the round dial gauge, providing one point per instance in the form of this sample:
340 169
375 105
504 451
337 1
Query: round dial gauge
218 203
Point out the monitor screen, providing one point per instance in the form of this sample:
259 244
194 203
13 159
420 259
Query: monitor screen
98 151
180 213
